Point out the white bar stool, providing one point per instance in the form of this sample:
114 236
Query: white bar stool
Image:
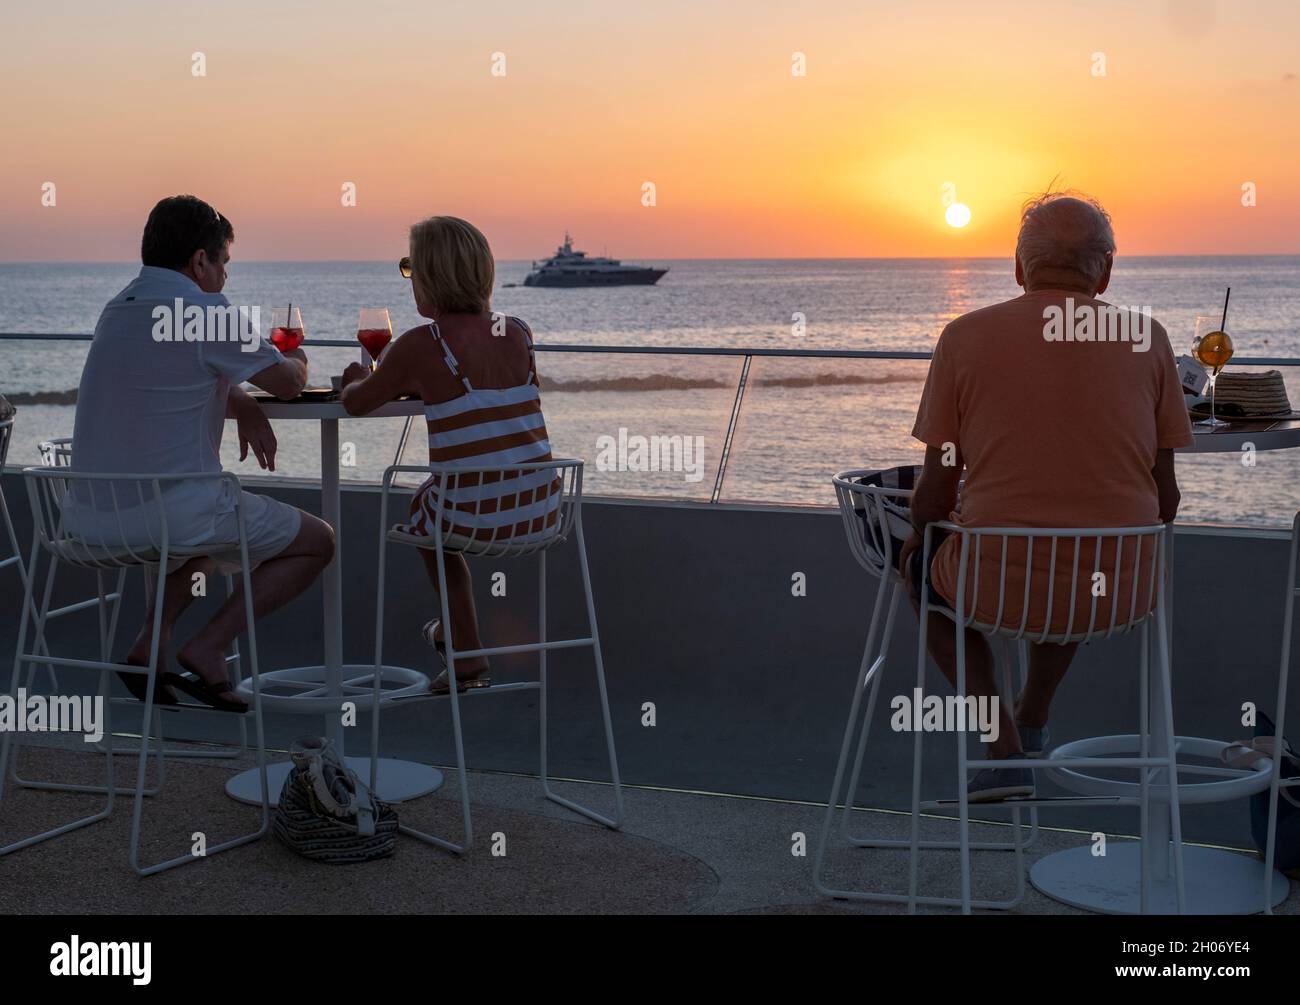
1104 551
1279 787
57 453
547 497
54 453
15 558
1215 880
874 506
121 522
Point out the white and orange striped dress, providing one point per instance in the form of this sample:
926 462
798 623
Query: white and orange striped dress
487 427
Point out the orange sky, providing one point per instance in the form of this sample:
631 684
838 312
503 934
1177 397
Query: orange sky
995 97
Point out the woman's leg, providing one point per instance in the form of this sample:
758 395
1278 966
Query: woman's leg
460 601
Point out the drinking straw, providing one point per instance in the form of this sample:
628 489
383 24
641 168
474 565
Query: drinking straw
1223 325
288 315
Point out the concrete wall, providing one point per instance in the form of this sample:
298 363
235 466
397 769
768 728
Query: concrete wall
750 683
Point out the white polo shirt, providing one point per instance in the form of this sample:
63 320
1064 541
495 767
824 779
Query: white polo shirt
147 405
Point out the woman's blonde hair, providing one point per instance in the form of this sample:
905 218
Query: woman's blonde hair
453 262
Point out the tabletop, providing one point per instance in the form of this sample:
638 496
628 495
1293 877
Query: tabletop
277 409
1264 434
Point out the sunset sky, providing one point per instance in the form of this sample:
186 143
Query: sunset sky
397 96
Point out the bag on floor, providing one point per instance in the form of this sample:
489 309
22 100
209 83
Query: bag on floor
326 814
1244 753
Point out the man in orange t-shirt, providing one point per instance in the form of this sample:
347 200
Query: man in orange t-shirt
1053 427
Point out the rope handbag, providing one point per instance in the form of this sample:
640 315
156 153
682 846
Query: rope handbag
1244 753
326 814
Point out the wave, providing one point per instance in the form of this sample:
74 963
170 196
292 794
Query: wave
834 379
666 382
17 398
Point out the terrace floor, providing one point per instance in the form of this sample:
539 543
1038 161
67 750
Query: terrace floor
679 852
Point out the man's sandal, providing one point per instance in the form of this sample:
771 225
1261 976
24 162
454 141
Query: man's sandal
138 685
212 695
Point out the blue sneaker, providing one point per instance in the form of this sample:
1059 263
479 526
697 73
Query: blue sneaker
993 784
1033 739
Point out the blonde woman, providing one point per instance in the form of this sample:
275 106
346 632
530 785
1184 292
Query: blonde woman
477 375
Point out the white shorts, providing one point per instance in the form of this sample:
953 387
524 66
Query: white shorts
270 525
135 534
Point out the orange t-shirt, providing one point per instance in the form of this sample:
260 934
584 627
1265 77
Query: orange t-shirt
1053 433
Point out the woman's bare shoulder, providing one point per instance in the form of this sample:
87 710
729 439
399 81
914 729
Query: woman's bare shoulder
520 325
420 330
415 352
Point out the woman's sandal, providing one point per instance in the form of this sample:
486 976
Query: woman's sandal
442 683
138 685
212 695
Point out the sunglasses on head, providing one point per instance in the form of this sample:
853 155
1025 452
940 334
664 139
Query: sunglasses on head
404 266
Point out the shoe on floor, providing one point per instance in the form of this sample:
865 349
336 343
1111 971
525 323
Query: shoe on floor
994 784
1033 739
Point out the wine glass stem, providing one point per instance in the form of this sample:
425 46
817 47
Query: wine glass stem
1214 383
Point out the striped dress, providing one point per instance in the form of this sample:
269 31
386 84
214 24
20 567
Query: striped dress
487 427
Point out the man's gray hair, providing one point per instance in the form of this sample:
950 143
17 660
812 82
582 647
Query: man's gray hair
1064 232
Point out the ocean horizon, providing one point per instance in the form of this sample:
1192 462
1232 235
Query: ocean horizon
778 456
665 258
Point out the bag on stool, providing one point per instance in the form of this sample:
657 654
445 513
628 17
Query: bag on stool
326 814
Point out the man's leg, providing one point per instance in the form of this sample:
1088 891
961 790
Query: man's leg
178 592
981 681
460 601
275 582
1047 666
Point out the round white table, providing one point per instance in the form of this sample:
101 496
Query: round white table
1215 881
322 690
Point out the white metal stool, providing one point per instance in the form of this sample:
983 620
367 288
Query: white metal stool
131 505
1215 880
1276 782
54 453
1099 556
547 497
16 556
57 453
876 523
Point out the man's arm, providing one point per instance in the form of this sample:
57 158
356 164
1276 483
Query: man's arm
1173 427
1166 485
935 494
285 379
236 400
254 428
933 498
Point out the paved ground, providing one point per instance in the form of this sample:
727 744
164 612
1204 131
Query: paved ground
679 853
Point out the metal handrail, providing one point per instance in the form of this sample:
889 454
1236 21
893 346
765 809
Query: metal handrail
657 350
745 354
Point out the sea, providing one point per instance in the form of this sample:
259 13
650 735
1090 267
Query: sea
800 419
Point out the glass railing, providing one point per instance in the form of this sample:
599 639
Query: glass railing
710 425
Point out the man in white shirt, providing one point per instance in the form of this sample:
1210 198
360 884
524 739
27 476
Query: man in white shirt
154 401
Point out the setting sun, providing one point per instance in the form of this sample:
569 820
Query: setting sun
957 215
